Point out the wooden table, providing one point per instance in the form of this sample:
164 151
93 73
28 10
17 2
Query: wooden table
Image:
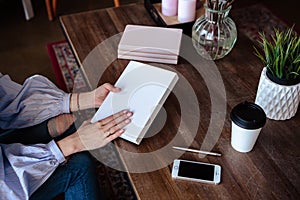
270 171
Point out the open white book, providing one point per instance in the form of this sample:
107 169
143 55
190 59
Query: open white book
144 90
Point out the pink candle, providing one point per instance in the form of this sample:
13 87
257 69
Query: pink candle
186 10
169 7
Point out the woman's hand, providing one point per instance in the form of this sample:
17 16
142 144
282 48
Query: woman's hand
100 93
92 136
93 99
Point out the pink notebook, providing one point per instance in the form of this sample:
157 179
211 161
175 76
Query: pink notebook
148 59
150 39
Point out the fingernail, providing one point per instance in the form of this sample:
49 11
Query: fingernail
121 130
129 114
125 111
127 121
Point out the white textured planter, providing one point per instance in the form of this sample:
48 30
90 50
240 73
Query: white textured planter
279 102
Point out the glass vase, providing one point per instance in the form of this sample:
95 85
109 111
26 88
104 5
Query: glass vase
214 34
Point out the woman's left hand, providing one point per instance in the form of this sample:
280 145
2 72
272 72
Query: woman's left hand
102 91
93 99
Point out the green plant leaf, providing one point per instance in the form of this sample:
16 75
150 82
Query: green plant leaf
281 54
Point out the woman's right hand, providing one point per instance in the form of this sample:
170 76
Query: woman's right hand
92 136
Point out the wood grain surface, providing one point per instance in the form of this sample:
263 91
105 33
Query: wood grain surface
270 171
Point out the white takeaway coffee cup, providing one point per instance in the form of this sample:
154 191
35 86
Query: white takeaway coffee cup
247 120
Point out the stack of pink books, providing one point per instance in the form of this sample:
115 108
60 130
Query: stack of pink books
151 44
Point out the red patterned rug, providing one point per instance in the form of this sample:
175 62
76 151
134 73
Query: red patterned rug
249 20
65 66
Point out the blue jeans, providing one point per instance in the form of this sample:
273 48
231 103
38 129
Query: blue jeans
77 179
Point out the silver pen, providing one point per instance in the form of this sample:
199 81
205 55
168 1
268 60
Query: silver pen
197 151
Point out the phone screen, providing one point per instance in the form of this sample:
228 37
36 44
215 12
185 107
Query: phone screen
197 171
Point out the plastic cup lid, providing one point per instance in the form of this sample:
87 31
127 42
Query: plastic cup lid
248 115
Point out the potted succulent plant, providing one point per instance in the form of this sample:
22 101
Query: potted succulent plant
278 91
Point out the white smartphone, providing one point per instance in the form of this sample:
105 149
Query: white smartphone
196 171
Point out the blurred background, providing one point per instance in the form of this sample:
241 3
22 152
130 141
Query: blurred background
23 43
